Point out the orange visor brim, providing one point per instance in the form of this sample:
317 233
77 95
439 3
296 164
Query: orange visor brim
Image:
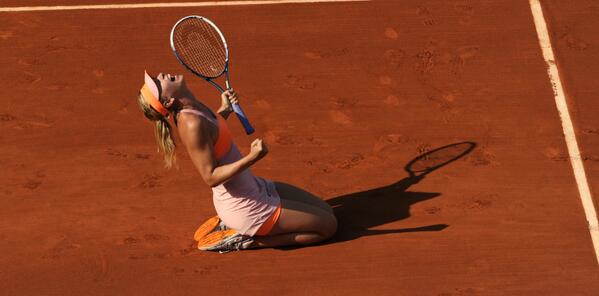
152 100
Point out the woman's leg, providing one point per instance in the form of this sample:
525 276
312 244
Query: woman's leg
287 191
298 224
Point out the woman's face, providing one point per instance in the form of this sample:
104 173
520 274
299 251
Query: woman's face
171 86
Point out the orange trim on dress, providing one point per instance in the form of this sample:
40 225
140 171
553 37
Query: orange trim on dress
270 223
152 100
224 140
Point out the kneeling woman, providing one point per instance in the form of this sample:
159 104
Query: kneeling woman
257 212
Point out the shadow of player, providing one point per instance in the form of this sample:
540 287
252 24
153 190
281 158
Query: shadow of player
358 212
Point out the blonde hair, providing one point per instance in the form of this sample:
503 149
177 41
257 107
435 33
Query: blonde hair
162 131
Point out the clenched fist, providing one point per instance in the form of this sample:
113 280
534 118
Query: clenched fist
258 149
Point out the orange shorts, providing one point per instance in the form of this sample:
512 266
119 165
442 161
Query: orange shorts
270 223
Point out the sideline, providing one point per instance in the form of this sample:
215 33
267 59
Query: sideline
568 127
163 5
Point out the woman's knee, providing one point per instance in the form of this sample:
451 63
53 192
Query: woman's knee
300 217
329 226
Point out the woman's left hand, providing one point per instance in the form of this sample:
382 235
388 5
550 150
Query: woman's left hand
228 98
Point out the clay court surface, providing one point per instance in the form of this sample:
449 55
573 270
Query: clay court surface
345 94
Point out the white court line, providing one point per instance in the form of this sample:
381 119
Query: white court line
568 127
163 5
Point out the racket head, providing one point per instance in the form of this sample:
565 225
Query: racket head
200 46
437 158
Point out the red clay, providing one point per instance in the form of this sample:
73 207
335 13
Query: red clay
346 95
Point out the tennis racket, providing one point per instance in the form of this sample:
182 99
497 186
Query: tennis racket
437 158
200 47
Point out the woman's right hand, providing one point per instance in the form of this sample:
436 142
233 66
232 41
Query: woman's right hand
258 149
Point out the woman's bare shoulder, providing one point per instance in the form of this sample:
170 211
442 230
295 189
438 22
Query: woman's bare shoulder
193 127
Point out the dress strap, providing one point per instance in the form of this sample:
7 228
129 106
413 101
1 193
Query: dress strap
200 113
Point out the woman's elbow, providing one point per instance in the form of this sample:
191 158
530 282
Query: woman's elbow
209 180
212 182
211 176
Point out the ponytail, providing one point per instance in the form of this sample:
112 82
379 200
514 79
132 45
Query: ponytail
162 132
165 142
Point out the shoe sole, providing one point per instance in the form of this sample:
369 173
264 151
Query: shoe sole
206 228
214 239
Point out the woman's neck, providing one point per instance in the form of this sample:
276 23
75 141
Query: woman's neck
190 102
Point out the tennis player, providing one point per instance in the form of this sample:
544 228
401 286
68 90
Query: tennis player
255 212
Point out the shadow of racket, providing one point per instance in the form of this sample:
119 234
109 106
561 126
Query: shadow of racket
435 159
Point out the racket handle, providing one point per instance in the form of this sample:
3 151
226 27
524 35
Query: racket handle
244 120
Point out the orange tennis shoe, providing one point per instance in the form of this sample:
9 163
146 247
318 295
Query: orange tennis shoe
224 241
210 225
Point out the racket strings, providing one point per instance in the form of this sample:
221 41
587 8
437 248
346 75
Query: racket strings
200 47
